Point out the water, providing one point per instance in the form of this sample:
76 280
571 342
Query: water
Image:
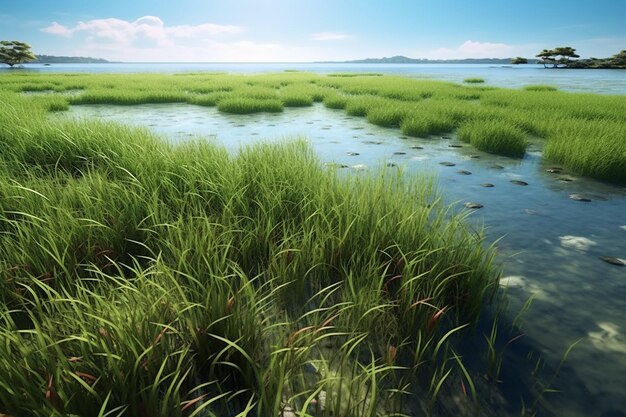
511 76
551 244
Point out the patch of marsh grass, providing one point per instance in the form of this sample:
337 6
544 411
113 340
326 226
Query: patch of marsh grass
494 136
422 124
335 101
474 80
540 88
389 116
569 145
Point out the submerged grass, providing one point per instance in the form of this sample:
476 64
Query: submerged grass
141 278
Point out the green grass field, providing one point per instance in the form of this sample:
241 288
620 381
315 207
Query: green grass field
140 278
584 132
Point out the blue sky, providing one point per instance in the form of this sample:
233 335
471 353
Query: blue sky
312 30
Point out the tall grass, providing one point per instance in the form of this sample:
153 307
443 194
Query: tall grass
141 278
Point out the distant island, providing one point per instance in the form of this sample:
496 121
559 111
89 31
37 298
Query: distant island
399 59
51 59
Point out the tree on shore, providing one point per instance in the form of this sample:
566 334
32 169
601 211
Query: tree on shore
546 57
519 60
619 59
566 53
549 56
15 52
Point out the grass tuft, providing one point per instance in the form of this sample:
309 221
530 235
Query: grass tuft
540 88
494 136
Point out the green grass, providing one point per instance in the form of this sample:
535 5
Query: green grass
495 136
143 278
540 88
388 116
419 107
335 101
474 80
422 124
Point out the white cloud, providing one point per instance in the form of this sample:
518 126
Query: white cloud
330 36
57 29
150 39
150 28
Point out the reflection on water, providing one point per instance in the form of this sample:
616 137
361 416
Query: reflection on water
551 247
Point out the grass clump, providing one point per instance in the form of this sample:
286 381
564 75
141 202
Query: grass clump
474 80
422 124
494 136
246 105
335 101
570 145
539 87
389 116
361 105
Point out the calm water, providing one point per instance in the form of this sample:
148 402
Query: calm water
551 245
579 80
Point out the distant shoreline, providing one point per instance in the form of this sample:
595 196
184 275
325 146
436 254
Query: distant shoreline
52 59
400 59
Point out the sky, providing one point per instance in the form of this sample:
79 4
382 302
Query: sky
312 30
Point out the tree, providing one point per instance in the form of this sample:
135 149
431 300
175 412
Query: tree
519 60
15 52
565 52
547 56
619 59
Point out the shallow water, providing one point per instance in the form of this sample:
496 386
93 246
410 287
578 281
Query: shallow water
551 244
601 81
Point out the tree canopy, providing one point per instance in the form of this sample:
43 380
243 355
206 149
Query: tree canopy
519 60
561 57
15 52
558 57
